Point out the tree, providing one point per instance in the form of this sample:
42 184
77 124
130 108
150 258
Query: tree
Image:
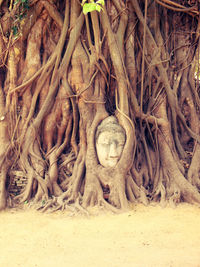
64 71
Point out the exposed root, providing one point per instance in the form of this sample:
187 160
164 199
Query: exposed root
62 73
135 193
3 192
159 193
57 203
194 170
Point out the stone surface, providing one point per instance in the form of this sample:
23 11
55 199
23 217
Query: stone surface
110 140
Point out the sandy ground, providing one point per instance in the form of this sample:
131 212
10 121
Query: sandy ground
145 236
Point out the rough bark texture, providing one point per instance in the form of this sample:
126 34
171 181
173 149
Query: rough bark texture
63 72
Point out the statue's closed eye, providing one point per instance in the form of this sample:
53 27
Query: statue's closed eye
121 144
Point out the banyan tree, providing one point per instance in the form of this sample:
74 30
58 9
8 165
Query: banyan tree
99 106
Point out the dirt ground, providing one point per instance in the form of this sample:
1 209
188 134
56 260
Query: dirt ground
145 236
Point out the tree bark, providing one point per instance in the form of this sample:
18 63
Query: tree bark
62 73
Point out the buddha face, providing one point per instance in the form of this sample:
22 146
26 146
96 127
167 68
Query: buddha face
110 144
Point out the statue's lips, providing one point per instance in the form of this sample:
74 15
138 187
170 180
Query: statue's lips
111 162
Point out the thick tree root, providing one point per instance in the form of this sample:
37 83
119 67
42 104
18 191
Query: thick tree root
3 192
56 204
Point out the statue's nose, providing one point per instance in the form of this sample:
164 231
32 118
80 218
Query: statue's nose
113 150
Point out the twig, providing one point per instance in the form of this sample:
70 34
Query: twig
184 9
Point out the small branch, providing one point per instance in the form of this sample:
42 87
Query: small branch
143 56
74 35
96 30
54 13
189 10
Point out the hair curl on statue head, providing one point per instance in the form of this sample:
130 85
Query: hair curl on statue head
109 124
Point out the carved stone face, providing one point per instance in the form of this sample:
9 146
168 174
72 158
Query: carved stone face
110 142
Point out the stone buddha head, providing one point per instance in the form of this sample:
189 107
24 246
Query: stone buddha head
110 140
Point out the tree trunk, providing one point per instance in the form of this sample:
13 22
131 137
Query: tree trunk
124 80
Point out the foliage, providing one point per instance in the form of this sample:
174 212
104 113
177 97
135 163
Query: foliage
92 6
22 9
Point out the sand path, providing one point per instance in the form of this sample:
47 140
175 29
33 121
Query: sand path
145 236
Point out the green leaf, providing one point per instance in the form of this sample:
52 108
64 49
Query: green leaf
98 8
89 7
21 16
16 2
83 2
15 30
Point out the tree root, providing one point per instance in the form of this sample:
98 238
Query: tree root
194 170
3 193
134 192
56 203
